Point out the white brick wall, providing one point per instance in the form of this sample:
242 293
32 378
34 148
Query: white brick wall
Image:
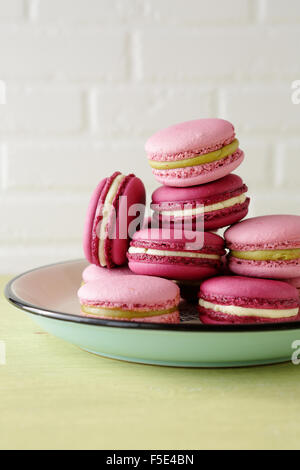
199 12
89 80
79 165
35 53
277 11
37 110
218 54
11 10
33 219
88 11
256 169
118 108
261 109
287 165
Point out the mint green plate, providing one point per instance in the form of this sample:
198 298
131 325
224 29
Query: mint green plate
49 296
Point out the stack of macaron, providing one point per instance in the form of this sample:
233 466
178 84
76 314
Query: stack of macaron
264 256
139 268
199 194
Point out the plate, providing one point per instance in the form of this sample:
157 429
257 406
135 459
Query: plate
49 296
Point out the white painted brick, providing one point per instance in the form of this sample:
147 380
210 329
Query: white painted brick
288 174
19 258
47 54
280 11
66 166
261 109
3 152
42 218
11 10
275 202
89 12
257 167
248 53
135 111
196 12
45 110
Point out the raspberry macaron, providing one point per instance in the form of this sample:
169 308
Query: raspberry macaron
239 300
131 298
194 152
106 233
176 255
216 204
294 282
267 246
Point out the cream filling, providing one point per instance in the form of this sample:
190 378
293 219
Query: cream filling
181 254
106 211
202 209
249 312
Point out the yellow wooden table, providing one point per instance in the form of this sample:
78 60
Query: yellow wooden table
55 396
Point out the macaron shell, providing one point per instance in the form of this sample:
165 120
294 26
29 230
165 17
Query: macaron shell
295 282
264 269
89 222
237 287
265 232
135 193
131 293
94 273
207 192
227 217
181 239
170 318
173 271
206 319
181 177
185 139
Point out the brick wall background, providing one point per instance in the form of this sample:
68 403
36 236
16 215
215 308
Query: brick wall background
89 80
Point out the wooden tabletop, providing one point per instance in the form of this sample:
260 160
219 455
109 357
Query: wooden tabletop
55 396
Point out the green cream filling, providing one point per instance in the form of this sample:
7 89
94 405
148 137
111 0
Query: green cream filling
115 313
267 255
198 159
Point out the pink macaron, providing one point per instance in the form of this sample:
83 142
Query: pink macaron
176 254
96 273
212 205
194 152
267 247
131 298
241 300
106 234
294 282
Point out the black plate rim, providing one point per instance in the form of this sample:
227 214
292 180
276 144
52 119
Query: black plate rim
183 327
